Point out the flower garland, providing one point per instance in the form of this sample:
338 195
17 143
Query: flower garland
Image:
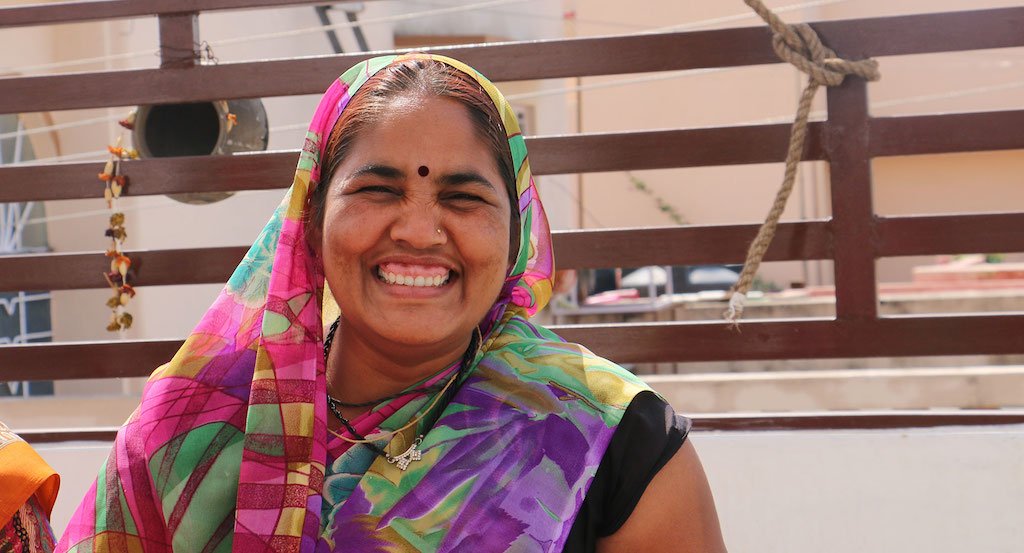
115 183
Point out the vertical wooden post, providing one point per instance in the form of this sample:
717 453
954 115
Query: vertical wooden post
853 218
179 40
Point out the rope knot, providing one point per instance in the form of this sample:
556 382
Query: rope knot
800 46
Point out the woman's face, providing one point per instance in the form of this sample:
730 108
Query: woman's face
415 241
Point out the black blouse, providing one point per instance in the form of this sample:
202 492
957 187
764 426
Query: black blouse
648 435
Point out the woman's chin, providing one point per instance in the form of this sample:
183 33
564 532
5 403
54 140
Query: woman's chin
418 338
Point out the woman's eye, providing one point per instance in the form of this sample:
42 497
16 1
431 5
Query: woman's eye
465 197
377 189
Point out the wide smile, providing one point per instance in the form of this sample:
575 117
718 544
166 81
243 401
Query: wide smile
419 281
414 280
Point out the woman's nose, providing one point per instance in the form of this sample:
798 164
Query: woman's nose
419 226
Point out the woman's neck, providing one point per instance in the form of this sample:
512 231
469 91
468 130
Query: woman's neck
361 370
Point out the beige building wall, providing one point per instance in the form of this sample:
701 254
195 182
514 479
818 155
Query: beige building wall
964 81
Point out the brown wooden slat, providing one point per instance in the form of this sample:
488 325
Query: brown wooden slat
882 420
61 361
941 32
950 234
940 134
600 152
74 271
690 245
852 209
802 339
95 10
312 75
68 181
52 436
573 249
623 343
548 156
924 33
855 420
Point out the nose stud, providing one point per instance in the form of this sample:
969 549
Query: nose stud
438 230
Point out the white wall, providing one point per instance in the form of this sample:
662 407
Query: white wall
944 490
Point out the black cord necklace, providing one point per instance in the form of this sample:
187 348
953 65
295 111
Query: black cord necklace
327 348
447 392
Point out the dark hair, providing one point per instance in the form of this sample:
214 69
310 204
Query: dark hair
410 78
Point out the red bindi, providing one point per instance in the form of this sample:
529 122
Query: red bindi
424 170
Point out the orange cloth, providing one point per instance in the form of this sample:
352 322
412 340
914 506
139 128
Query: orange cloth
23 473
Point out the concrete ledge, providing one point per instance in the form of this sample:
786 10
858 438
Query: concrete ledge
62 411
958 387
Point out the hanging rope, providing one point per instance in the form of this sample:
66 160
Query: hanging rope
800 46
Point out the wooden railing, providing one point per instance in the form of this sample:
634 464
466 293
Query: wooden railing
854 237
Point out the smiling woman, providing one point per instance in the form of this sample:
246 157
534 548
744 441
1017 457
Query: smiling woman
431 414
379 238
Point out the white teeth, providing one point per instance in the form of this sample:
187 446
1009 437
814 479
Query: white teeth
407 280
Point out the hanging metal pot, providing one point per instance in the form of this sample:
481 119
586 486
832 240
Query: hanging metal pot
201 128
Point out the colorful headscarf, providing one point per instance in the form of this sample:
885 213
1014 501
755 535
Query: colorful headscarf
230 448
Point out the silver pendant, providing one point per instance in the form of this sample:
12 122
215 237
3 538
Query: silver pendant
412 454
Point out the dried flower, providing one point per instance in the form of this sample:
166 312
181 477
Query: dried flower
115 233
114 278
120 264
129 122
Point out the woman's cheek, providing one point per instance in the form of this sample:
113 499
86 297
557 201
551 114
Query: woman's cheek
495 243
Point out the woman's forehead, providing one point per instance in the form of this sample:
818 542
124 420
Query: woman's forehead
431 132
